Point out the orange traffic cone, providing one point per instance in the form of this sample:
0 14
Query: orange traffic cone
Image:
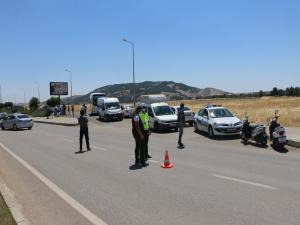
167 163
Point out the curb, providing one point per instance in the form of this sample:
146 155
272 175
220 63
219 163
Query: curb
293 143
13 205
56 123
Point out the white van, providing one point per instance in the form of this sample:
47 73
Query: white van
109 109
161 116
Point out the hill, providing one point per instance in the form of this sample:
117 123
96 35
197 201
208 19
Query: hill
173 90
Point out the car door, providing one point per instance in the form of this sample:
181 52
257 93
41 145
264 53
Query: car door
9 122
198 118
151 117
205 120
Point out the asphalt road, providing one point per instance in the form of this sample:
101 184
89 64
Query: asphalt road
212 182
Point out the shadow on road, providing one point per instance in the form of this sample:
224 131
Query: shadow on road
254 144
219 138
280 150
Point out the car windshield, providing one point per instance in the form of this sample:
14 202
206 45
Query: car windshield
220 113
23 116
112 105
163 110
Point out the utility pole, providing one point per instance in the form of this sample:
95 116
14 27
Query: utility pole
0 94
133 72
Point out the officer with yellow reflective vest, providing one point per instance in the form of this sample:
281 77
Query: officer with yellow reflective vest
145 120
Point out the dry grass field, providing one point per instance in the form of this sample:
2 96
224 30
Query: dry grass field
260 110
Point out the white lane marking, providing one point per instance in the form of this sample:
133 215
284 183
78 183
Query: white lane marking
92 146
66 197
245 182
68 140
154 161
97 147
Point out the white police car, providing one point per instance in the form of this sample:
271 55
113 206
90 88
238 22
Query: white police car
217 121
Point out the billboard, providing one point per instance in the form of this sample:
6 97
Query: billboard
58 88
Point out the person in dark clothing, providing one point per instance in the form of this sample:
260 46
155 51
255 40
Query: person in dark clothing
181 123
137 132
72 108
68 108
83 122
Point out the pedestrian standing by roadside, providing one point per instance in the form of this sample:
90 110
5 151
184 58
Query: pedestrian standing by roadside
68 108
137 132
83 122
181 123
72 108
146 131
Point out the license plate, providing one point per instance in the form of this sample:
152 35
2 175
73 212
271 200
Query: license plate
231 129
281 140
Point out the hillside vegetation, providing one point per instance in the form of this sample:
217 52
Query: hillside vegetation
260 110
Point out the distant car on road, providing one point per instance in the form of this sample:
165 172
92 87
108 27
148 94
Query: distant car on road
217 121
3 115
17 121
128 110
188 114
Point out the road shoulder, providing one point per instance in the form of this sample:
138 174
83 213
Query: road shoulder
40 205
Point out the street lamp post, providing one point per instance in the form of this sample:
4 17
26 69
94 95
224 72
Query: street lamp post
38 88
70 83
133 74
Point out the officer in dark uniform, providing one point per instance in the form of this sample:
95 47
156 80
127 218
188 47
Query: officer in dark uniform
83 122
137 132
181 123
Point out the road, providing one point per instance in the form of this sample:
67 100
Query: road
212 182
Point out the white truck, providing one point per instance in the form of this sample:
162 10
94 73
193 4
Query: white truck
109 109
93 99
161 116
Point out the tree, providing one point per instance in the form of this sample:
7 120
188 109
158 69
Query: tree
34 103
53 101
1 105
8 105
281 92
274 91
297 91
260 93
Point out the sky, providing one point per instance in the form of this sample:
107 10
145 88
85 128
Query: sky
233 45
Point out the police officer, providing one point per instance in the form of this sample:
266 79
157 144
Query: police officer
146 131
181 123
137 132
83 122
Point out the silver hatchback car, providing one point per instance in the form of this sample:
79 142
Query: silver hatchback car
17 121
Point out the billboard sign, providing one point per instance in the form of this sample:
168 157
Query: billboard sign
58 88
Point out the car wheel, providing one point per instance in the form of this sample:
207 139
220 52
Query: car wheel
211 132
15 127
196 130
2 127
105 118
29 128
191 123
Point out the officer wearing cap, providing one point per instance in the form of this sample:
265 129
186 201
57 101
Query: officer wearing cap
138 134
146 131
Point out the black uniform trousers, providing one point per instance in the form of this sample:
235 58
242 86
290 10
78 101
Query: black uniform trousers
84 132
146 138
139 148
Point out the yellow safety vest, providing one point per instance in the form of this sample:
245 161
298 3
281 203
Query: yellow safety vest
145 120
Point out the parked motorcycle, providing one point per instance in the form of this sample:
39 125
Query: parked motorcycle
277 133
255 132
